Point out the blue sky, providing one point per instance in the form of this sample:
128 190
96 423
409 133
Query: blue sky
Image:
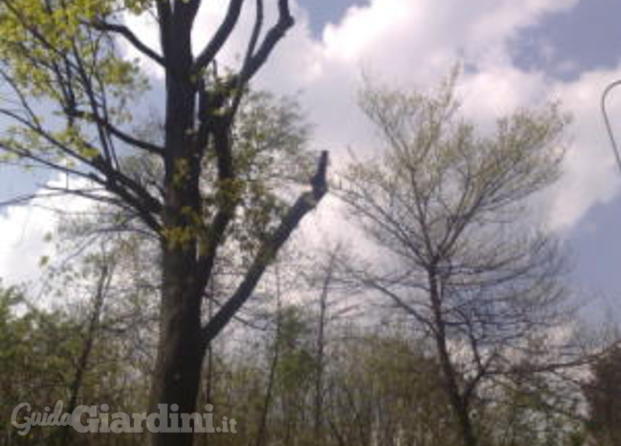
322 12
571 42
566 46
518 54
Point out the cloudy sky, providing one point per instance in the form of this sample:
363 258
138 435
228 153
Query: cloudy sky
515 54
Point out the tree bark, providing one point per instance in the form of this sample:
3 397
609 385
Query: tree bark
181 349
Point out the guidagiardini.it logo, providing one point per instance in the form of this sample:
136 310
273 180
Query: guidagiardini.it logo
99 419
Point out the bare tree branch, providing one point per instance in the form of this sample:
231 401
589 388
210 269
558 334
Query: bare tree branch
273 36
222 34
130 37
304 204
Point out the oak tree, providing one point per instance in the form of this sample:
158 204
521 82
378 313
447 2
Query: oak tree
67 95
446 210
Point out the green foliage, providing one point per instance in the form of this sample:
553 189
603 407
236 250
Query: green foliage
269 138
40 351
38 36
51 54
36 353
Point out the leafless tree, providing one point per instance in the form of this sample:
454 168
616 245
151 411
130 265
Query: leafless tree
447 211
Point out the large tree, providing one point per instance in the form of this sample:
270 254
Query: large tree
68 93
446 209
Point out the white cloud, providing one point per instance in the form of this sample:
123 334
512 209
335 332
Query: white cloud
415 43
591 174
24 231
410 43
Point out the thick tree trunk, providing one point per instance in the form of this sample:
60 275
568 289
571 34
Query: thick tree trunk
181 347
179 361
